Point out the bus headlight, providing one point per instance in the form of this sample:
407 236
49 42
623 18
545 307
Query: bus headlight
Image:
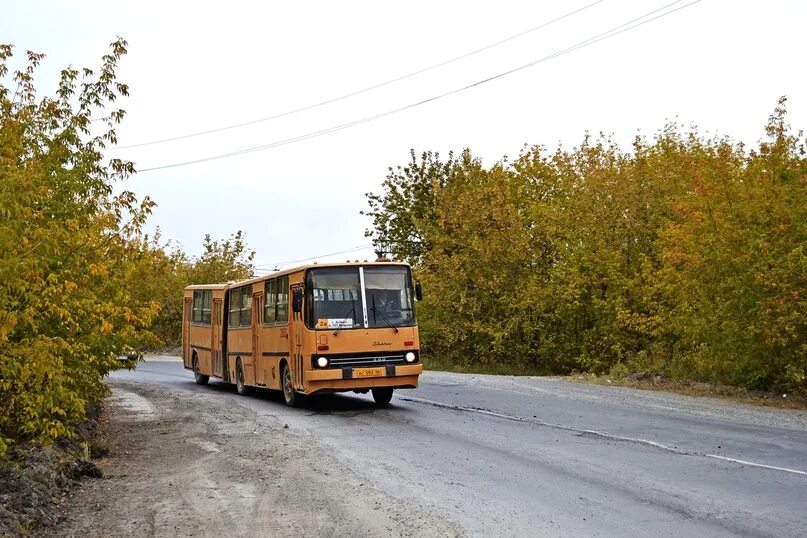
322 362
410 357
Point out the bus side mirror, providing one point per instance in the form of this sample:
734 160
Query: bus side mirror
418 292
297 301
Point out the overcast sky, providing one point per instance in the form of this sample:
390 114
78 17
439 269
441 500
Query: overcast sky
196 66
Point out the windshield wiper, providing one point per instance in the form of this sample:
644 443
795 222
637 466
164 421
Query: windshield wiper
384 319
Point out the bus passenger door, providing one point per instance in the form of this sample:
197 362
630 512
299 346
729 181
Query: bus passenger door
215 344
296 342
257 319
186 332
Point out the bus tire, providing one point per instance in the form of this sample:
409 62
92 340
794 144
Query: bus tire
382 396
240 387
289 395
200 379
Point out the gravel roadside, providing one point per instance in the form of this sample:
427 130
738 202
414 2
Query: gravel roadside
191 465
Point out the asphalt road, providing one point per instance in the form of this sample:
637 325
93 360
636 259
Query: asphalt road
510 456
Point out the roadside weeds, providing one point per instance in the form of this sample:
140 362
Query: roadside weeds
660 383
639 380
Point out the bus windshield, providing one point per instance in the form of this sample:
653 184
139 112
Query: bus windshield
389 296
334 297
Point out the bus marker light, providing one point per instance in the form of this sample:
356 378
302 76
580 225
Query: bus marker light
409 342
322 348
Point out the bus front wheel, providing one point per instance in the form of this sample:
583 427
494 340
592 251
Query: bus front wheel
288 388
382 396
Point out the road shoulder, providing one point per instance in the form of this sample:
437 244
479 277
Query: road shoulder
198 464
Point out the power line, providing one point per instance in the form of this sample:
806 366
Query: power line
364 90
286 262
269 266
624 27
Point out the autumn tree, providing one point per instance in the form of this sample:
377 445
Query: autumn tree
222 260
682 256
734 261
67 243
406 208
164 267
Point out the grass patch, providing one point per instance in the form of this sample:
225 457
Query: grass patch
431 363
646 381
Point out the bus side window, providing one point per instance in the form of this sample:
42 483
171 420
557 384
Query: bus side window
246 306
235 308
271 300
283 299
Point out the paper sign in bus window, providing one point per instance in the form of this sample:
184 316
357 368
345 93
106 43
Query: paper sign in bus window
335 323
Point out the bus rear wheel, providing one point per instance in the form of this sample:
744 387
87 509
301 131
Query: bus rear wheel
382 396
240 387
200 379
288 388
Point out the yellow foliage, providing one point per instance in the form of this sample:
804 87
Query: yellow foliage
62 294
685 256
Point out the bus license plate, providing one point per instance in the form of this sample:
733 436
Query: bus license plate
369 372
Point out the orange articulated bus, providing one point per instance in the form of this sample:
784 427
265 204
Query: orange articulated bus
310 330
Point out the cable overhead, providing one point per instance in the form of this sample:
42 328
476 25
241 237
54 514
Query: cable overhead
269 266
616 30
363 90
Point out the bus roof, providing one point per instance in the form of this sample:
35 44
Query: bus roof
291 270
207 286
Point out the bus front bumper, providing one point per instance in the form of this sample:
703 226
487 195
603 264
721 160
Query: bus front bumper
403 376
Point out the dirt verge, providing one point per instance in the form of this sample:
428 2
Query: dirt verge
34 478
196 464
29 485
